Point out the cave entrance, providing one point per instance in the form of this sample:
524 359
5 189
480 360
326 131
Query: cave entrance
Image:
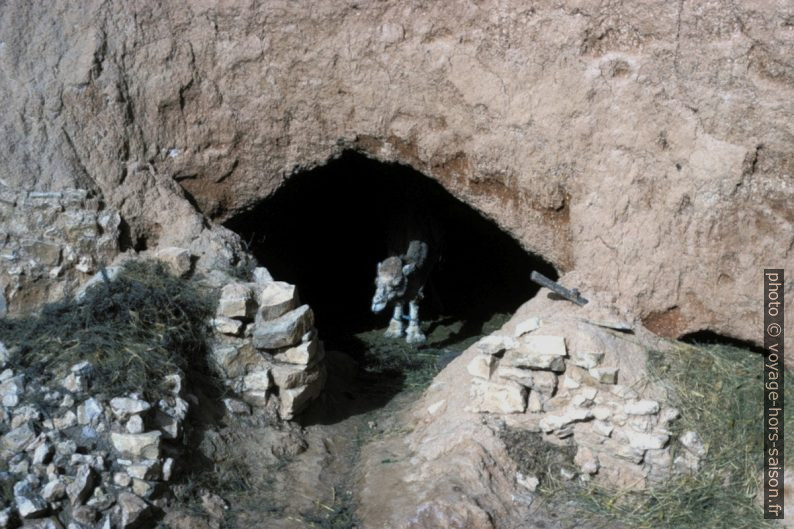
325 231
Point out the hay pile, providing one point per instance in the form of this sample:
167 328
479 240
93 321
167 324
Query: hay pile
135 329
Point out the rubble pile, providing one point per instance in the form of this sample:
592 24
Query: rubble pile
80 460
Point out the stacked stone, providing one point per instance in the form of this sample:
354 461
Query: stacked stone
574 397
267 345
52 239
82 461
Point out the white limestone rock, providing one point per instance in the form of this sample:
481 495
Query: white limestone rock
686 462
43 453
112 272
236 407
75 383
124 407
535 402
255 398
284 331
95 461
261 275
257 380
624 392
175 407
275 299
497 397
308 352
544 382
629 453
237 301
641 407
668 415
525 377
83 368
133 510
692 442
225 358
30 505
646 441
526 326
12 390
567 474
143 488
18 439
169 426
603 428
436 407
137 446
174 384
586 460
585 397
294 400
178 260
54 490
134 424
148 469
89 412
288 376
482 366
67 420
552 422
569 382
642 423
586 359
82 486
605 375
229 326
538 352
528 482
122 479
494 344
169 465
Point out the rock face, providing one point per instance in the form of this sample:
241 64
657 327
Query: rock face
645 145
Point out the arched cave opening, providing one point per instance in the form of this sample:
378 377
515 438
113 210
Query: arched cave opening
326 229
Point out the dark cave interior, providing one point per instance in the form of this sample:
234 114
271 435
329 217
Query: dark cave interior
325 230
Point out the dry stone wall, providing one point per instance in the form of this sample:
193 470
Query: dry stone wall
267 347
561 378
51 241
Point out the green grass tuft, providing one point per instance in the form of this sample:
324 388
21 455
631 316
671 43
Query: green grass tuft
719 391
135 329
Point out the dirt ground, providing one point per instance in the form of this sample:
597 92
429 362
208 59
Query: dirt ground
304 475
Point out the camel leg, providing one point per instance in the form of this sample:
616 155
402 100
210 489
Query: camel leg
395 329
414 333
